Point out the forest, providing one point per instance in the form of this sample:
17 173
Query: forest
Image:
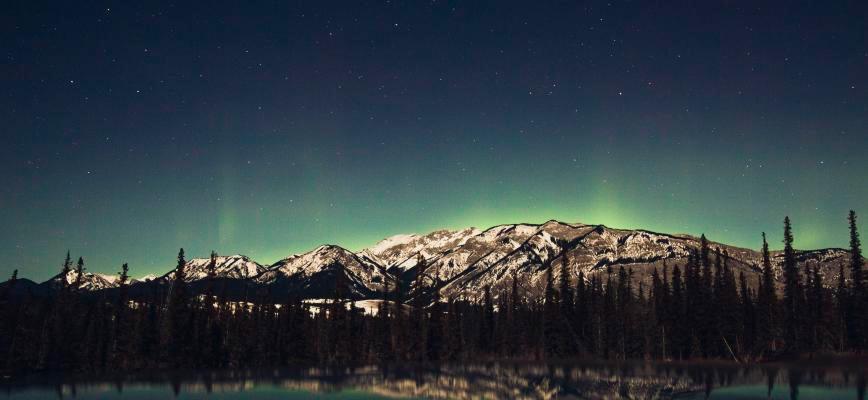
690 311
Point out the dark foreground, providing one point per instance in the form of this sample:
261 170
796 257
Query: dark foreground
490 381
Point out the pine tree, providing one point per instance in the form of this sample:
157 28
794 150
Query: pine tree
730 308
453 332
857 320
211 269
705 263
384 314
659 313
666 313
486 326
67 266
856 261
704 301
748 315
566 289
434 339
676 314
624 310
565 331
766 302
119 346
51 354
514 330
819 327
417 339
79 274
581 310
550 316
792 290
842 304
174 331
10 287
695 307
717 308
596 305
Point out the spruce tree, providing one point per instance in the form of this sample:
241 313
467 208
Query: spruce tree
842 303
79 274
658 312
118 345
792 290
211 269
731 313
707 317
748 315
596 303
208 292
10 286
514 328
173 331
705 263
817 310
766 302
676 314
624 309
67 266
717 311
566 289
51 353
550 316
565 293
453 332
384 345
581 310
856 261
857 320
486 326
666 316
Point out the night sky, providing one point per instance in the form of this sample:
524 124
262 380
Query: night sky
268 128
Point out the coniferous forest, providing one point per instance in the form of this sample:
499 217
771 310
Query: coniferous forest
695 310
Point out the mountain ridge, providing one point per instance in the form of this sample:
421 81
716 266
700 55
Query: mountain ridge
463 262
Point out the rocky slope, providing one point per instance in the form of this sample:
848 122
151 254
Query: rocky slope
232 267
318 272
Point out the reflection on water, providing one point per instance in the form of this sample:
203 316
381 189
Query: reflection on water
490 381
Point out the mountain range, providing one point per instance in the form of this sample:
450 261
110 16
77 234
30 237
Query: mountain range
455 262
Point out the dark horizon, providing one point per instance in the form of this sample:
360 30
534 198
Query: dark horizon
23 273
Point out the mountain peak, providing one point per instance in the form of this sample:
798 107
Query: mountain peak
401 250
235 267
466 261
88 280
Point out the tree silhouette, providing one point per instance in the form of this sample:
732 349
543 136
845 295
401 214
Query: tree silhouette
856 317
168 323
792 290
174 330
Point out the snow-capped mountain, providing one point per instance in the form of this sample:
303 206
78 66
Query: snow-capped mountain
89 281
465 262
491 258
232 267
401 251
316 273
146 278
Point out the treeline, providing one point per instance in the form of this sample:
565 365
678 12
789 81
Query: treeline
697 310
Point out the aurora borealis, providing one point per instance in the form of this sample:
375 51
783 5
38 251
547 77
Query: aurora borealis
267 129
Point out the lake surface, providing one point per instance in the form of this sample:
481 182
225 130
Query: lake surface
489 381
